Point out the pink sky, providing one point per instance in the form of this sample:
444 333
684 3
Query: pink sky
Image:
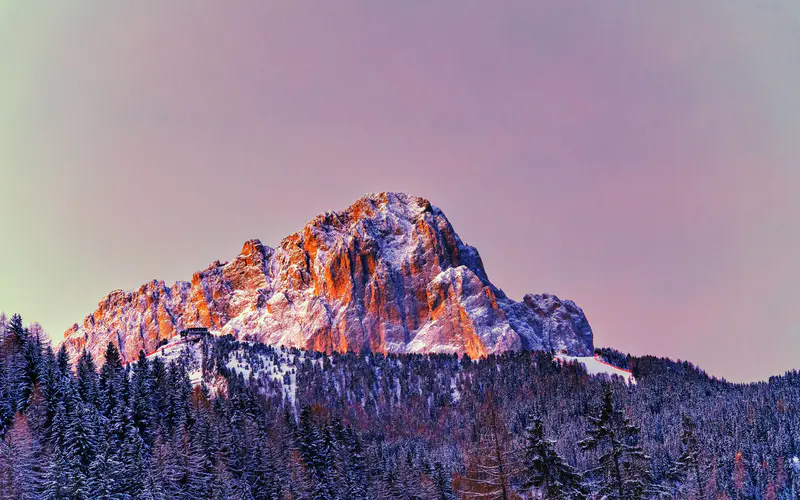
640 158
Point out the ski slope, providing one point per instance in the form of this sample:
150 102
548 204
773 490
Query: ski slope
596 366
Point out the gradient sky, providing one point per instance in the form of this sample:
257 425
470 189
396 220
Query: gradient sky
640 158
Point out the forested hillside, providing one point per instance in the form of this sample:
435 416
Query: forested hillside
269 422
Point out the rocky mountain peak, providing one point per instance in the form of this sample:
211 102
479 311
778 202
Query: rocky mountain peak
387 274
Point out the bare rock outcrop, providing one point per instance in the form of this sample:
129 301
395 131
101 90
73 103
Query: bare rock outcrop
388 274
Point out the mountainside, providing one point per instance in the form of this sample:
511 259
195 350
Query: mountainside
213 417
388 274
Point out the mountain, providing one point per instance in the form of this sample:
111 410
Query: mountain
388 274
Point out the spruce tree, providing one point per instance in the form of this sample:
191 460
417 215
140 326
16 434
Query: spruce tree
80 446
141 398
6 409
111 380
56 484
31 360
688 471
623 466
106 477
198 478
16 332
62 361
87 378
442 481
545 474
356 477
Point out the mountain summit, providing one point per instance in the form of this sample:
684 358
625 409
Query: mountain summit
388 274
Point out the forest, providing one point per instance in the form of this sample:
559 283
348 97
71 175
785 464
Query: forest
264 422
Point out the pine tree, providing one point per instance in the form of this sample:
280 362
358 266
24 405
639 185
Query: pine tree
311 448
57 478
545 473
688 471
105 477
162 462
49 384
20 385
87 378
739 474
6 409
141 398
3 325
623 467
133 457
356 478
16 332
31 369
80 446
62 361
198 478
389 485
329 473
442 481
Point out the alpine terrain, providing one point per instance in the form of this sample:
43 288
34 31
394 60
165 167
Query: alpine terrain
388 275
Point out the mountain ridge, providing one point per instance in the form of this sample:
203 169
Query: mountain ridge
387 274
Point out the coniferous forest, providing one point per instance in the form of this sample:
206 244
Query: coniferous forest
239 420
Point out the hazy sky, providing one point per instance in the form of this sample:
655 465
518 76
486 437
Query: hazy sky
640 158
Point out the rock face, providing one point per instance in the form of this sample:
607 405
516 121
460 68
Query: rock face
388 274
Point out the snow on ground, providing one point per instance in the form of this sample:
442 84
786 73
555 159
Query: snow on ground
176 348
278 367
281 372
596 366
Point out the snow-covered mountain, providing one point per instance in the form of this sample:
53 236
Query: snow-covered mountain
388 274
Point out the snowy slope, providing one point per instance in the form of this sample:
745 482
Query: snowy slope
273 370
189 352
596 366
277 368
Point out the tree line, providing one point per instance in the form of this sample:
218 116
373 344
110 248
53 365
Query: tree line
298 424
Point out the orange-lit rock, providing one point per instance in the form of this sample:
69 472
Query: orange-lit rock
388 274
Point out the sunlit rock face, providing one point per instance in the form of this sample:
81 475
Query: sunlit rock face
388 274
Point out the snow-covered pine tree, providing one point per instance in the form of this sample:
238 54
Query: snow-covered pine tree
48 386
133 456
545 474
141 408
15 331
62 362
80 445
105 476
6 409
31 360
623 467
87 378
56 485
112 376
198 465
443 482
355 474
314 453
689 472
18 384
